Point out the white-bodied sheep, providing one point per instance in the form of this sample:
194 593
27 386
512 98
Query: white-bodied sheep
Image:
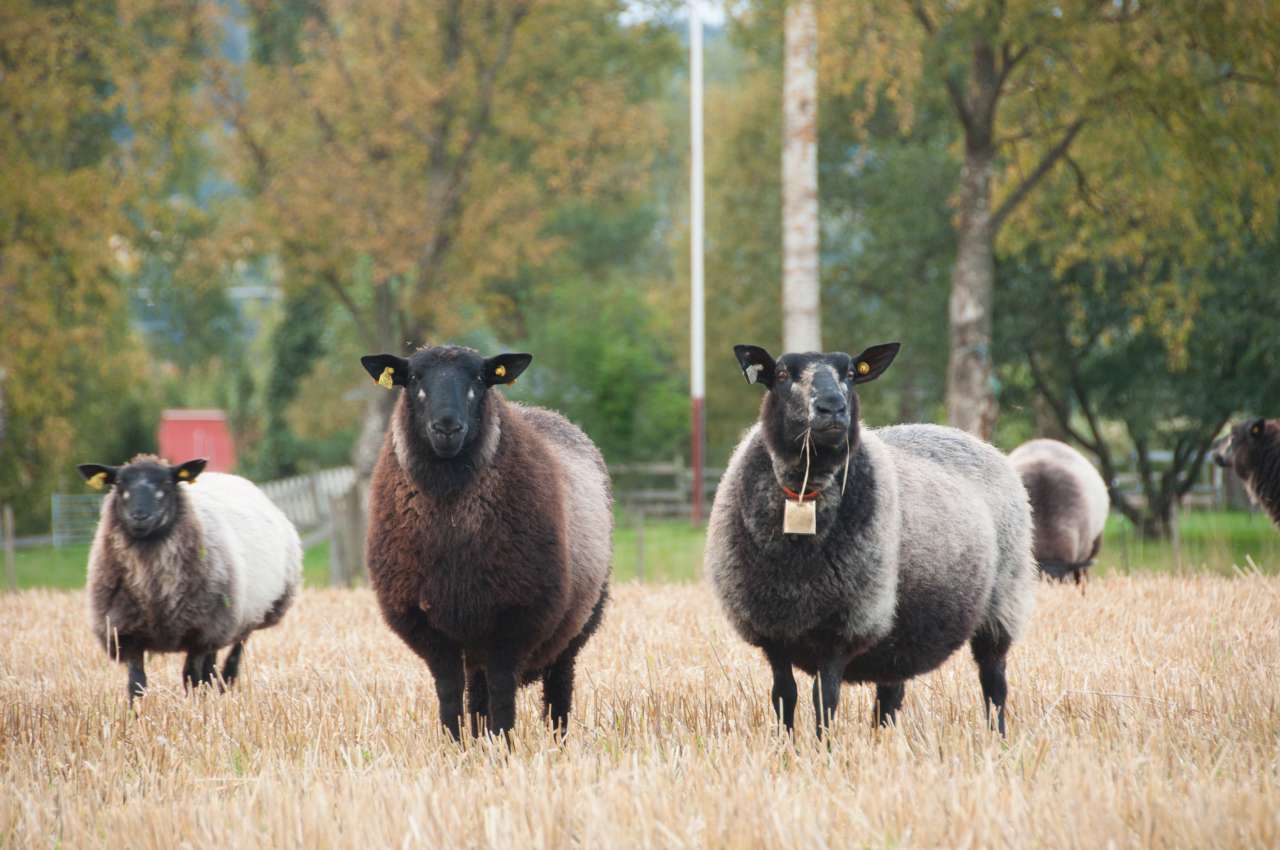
1069 503
918 539
180 567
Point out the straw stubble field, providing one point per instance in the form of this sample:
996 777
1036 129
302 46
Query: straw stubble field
1143 714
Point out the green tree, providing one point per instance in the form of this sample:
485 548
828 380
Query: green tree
1033 88
1081 341
75 379
406 157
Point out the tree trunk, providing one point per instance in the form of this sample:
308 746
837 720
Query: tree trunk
388 324
801 328
1047 424
971 401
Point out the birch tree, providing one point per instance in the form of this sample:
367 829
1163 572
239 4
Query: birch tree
801 325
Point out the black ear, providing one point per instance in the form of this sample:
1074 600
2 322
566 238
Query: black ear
871 363
1257 428
758 366
188 471
98 476
505 368
387 369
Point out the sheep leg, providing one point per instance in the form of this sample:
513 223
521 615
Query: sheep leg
557 691
231 667
208 668
477 700
888 701
137 674
826 692
989 651
557 680
195 670
445 664
501 676
784 695
444 660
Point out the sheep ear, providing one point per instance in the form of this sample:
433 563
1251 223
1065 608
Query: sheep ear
1258 428
188 471
505 368
871 363
758 365
387 369
98 476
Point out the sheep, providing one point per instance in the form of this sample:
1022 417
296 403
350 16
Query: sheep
1069 502
1252 449
176 567
865 555
490 535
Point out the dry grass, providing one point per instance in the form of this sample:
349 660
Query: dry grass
1143 715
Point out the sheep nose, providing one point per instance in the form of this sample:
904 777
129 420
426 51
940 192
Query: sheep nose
446 426
832 405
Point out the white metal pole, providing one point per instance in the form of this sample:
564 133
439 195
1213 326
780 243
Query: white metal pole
697 321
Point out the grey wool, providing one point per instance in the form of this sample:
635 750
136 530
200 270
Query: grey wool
1069 502
924 543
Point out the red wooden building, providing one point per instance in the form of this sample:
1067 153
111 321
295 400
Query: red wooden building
187 434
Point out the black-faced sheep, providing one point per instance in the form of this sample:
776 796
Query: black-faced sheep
1069 504
1252 449
919 539
490 527
176 567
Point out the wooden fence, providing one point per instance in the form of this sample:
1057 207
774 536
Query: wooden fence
660 489
305 499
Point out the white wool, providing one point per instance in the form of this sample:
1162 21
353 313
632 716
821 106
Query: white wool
253 538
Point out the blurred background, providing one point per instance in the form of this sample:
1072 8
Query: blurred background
209 210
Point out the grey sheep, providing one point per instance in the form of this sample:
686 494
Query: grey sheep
921 540
1069 502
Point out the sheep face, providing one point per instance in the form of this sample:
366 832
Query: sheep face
1237 449
812 393
446 386
146 503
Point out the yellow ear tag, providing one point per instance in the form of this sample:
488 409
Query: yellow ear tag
184 474
384 380
500 372
1256 430
864 367
97 481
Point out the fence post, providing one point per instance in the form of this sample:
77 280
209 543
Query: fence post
10 543
640 544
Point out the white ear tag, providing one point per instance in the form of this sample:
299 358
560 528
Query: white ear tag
753 372
799 517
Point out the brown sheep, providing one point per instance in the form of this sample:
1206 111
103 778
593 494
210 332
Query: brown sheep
490 527
1252 449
